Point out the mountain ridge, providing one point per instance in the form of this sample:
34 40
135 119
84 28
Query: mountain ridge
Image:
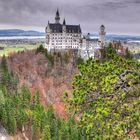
19 32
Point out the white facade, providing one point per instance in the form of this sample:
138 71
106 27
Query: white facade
88 47
63 41
92 47
62 36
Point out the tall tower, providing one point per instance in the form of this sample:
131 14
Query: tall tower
102 34
57 17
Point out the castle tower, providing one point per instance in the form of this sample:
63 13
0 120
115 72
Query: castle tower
48 30
102 34
64 26
64 33
57 17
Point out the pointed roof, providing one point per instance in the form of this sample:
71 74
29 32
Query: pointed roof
57 13
57 17
64 22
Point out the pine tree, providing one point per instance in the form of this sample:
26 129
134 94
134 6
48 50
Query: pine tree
46 133
128 54
4 117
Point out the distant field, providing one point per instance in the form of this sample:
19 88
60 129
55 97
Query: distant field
18 48
134 48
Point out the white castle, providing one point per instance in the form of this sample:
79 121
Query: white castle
64 37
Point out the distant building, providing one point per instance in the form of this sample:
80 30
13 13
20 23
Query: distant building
62 36
94 48
87 46
119 47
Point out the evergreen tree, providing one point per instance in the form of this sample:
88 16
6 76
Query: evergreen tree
40 49
128 55
111 52
46 133
106 96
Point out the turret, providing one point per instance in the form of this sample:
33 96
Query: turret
48 30
57 17
102 34
64 26
64 22
79 31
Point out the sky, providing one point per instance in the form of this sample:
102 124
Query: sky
118 16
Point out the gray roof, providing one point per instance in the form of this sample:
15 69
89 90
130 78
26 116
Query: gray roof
57 28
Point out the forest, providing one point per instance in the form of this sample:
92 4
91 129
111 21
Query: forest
104 103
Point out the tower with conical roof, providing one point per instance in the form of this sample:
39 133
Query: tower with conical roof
57 17
102 34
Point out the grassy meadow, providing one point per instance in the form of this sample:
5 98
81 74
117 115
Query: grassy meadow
8 49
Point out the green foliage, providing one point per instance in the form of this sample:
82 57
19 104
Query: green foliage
111 52
4 64
50 57
107 97
2 99
40 49
7 79
128 54
46 133
19 109
79 61
44 51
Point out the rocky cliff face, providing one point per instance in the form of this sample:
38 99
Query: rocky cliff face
35 71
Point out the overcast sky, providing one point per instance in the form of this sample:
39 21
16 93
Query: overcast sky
119 16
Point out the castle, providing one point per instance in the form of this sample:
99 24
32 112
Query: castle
64 37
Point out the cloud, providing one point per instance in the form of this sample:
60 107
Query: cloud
89 13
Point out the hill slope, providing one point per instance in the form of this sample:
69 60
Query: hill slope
36 72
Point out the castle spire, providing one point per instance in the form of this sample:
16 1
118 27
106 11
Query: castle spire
57 17
57 12
64 22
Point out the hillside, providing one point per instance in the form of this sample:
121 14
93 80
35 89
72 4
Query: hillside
103 92
36 72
